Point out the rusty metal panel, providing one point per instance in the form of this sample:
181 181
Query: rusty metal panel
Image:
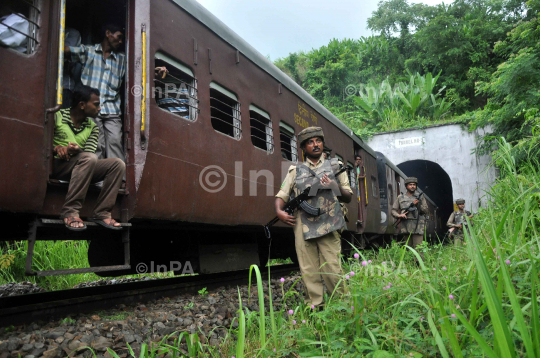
23 99
179 150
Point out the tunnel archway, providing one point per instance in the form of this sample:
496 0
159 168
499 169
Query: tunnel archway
434 180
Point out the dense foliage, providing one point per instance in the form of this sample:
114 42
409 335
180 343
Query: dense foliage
486 53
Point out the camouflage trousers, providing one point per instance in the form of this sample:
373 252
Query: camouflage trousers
319 259
457 235
414 241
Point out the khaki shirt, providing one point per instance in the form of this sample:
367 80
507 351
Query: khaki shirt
452 218
289 184
411 225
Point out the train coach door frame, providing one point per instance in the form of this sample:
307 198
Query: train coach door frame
362 199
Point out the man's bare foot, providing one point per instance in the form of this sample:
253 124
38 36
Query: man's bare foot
74 223
112 222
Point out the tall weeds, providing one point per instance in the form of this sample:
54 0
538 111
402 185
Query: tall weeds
476 300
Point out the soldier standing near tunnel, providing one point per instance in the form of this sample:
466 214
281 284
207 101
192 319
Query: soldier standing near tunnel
406 208
317 238
457 220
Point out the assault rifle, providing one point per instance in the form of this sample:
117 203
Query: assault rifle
299 202
411 209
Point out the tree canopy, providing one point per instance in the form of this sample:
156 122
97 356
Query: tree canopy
484 55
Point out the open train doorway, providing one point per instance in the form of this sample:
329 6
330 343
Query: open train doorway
434 180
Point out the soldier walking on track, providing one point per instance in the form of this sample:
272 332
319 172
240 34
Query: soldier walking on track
457 220
412 216
317 238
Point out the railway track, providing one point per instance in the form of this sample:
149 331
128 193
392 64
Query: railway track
16 310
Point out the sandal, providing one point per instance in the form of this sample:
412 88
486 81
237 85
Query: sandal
109 226
71 220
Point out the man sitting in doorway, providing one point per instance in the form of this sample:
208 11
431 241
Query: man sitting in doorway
104 68
75 142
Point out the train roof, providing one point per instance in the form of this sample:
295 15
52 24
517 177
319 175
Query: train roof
219 28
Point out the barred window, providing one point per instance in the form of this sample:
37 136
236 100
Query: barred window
352 175
288 142
225 111
19 25
261 129
177 92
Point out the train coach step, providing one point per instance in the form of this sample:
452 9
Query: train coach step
43 222
93 186
88 223
81 270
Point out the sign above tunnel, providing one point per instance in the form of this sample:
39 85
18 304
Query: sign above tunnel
409 142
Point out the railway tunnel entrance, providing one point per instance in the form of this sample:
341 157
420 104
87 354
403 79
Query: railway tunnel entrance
436 183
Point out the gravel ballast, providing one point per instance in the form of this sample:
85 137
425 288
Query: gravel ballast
208 315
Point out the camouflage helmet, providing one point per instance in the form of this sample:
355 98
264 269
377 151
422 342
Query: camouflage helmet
460 201
411 180
308 133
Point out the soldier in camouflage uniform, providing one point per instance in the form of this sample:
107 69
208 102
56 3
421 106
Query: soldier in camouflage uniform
413 222
317 238
457 220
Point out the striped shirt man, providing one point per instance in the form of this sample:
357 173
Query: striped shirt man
104 74
86 136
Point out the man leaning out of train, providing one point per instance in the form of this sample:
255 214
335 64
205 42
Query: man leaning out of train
317 238
412 215
75 142
104 67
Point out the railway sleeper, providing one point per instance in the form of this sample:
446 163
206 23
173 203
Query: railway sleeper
54 225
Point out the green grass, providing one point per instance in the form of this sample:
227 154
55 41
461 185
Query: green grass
52 255
479 300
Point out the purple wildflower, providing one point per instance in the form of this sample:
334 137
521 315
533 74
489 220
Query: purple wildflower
369 261
352 273
508 262
291 311
444 268
364 263
453 315
384 288
312 307
347 277
282 280
303 321
356 255
293 321
451 297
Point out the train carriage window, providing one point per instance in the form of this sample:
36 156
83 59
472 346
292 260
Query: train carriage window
288 142
352 175
261 129
225 111
19 25
391 193
374 186
177 92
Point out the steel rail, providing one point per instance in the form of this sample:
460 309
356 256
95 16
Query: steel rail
23 309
